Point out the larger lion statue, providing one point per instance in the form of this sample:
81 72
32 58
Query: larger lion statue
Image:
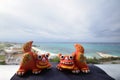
32 61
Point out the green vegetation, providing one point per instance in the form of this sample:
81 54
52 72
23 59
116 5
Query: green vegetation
109 59
114 63
2 62
93 60
56 59
102 60
2 57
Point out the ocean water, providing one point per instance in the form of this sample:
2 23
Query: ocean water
91 49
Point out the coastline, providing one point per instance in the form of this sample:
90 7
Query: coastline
105 55
15 57
52 55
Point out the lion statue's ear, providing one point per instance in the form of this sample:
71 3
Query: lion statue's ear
59 54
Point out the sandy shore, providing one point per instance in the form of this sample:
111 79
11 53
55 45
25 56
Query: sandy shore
104 55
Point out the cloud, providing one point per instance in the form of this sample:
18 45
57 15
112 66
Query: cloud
60 20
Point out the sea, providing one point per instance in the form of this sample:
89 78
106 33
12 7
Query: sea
91 49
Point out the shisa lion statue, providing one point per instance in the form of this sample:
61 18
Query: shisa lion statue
75 62
67 62
32 61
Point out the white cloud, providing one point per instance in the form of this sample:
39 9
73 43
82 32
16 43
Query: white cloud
59 20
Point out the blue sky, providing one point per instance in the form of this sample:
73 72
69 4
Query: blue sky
60 20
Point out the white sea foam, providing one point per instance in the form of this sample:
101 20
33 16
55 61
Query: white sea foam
52 55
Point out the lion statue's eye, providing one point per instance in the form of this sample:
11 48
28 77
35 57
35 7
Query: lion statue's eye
46 55
61 57
70 57
39 57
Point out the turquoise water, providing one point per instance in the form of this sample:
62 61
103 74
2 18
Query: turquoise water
90 48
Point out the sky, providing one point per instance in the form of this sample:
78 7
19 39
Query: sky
60 20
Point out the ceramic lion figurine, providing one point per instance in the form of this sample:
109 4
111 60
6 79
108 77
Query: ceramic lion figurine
80 59
75 62
32 61
67 62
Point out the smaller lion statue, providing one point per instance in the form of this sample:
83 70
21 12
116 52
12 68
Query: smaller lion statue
67 62
32 61
75 62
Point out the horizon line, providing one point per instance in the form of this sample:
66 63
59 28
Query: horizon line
53 42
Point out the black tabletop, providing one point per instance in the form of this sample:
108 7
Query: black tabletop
54 74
